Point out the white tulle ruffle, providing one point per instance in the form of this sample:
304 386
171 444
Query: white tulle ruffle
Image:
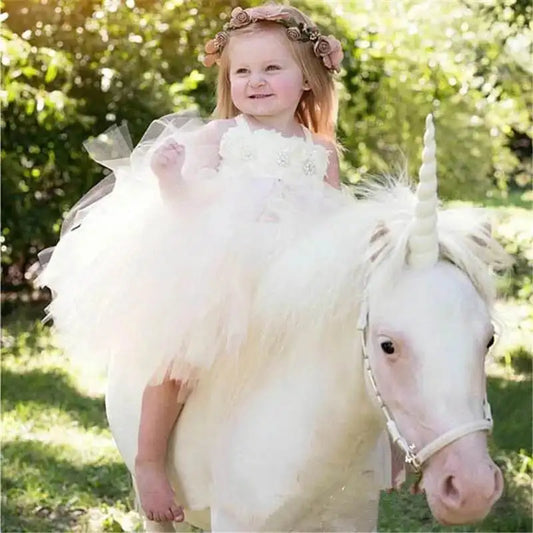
167 286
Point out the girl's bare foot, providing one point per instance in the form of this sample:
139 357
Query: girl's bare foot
155 493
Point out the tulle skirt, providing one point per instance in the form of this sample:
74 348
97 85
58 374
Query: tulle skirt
167 286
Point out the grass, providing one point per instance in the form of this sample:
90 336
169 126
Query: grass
60 468
521 197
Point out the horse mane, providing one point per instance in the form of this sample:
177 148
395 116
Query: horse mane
464 234
318 283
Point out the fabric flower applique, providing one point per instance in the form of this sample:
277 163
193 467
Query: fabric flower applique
236 146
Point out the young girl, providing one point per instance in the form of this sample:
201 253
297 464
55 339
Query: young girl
161 272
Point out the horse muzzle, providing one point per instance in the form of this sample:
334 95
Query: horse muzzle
461 482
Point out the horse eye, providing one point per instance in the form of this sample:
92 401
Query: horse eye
387 347
491 342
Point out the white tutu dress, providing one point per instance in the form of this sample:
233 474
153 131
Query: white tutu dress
168 286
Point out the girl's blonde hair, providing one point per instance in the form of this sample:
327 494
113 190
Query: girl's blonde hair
317 109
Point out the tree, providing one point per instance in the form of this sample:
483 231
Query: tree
72 68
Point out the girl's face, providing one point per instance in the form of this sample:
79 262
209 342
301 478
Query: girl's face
265 79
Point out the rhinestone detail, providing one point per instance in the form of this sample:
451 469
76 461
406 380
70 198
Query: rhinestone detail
309 167
283 158
247 153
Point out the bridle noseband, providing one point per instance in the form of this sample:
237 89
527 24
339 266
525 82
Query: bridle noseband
415 458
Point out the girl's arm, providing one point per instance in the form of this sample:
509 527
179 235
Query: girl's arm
173 161
332 172
204 146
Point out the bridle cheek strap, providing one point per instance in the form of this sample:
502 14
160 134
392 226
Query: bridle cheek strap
412 457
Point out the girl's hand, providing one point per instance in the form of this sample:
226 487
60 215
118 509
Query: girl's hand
167 161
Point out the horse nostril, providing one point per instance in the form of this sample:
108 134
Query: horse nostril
457 492
451 494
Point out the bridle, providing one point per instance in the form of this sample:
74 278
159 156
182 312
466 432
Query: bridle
415 458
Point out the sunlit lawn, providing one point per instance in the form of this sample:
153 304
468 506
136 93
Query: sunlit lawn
61 471
60 468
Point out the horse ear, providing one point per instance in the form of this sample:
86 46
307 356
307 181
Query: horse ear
379 240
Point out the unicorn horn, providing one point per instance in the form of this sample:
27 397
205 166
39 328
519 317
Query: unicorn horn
423 241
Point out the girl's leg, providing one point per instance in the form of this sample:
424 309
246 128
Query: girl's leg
159 413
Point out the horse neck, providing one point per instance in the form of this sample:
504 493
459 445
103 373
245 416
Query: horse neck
333 362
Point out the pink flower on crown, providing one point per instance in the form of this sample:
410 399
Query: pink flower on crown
272 13
329 49
214 47
239 18
322 46
210 47
210 60
293 33
217 44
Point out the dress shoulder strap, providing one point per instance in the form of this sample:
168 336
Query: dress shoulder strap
308 135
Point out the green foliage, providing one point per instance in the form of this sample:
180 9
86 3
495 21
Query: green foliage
37 119
521 360
468 66
71 69
513 231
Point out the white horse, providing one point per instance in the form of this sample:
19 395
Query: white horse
378 321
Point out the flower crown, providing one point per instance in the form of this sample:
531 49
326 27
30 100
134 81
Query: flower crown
328 49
